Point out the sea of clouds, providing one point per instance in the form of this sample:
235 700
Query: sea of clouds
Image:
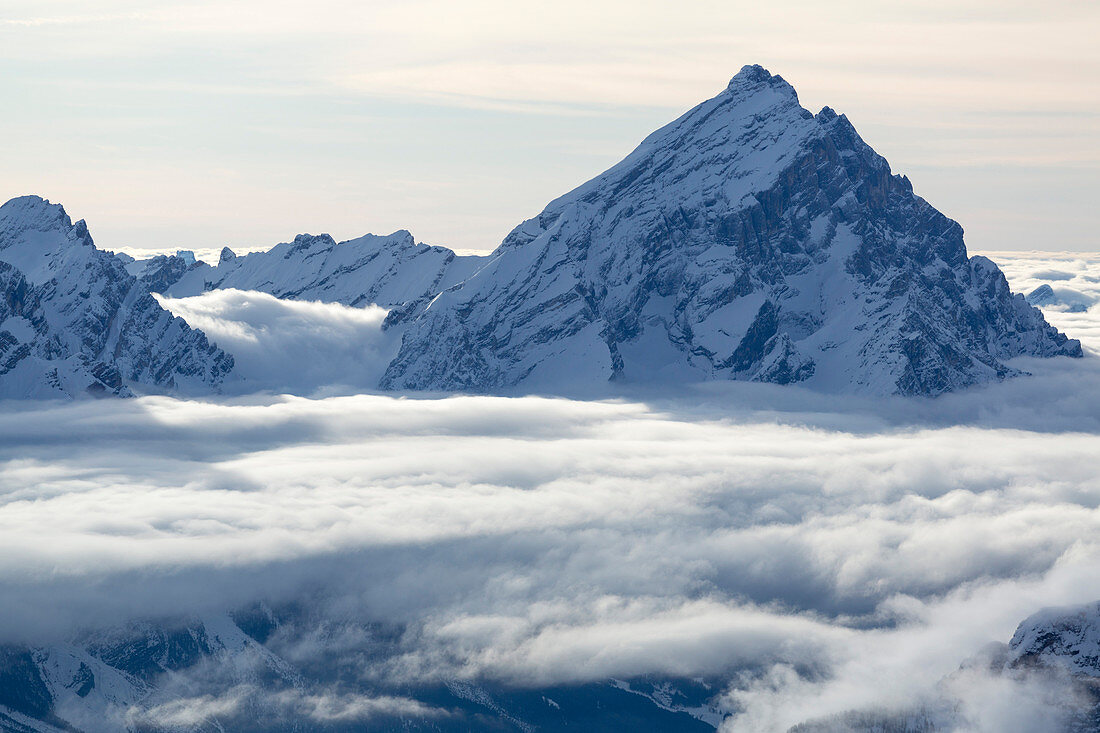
817 554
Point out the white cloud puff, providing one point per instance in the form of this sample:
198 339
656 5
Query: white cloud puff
290 345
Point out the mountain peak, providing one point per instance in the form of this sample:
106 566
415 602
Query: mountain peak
33 213
754 82
94 329
751 73
740 241
754 75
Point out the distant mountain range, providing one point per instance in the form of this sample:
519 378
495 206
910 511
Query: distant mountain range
748 240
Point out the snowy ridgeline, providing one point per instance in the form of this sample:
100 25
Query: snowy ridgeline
747 240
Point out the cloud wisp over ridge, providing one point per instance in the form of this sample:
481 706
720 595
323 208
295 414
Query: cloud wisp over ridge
300 346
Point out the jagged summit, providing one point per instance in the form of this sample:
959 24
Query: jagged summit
37 218
755 74
1067 637
754 79
751 73
32 212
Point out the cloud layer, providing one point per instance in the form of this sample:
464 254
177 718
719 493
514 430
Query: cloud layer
816 555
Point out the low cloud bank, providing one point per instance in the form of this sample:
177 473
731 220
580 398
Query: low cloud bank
541 541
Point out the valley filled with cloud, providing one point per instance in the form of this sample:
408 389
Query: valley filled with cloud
801 554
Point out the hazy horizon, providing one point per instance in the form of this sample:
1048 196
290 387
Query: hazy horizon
200 125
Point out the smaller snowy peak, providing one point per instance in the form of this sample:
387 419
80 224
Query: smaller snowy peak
33 213
1042 295
159 273
1055 652
227 255
1061 298
75 320
1061 637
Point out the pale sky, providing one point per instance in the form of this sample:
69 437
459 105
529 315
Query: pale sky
202 124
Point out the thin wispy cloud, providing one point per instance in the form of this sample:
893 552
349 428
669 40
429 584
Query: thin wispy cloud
431 92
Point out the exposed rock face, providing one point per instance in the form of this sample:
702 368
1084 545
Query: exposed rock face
158 273
749 239
74 321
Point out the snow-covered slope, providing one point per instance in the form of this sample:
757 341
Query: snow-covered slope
115 680
749 239
74 321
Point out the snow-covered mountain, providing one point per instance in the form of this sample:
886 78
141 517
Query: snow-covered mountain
74 321
749 239
1069 299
